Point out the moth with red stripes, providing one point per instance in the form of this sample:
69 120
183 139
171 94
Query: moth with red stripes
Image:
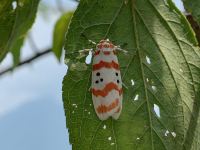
106 81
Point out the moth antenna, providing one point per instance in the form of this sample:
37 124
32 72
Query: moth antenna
92 42
120 49
80 51
85 50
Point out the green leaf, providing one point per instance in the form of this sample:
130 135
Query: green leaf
193 7
16 18
163 63
60 30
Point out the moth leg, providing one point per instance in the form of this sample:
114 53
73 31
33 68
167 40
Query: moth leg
120 49
90 88
85 50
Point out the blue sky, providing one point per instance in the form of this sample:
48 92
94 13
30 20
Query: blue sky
31 109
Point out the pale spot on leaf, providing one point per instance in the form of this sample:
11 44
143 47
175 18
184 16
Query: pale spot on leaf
132 82
166 133
136 97
156 109
154 88
173 134
14 5
148 60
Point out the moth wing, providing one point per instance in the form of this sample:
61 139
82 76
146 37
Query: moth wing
106 87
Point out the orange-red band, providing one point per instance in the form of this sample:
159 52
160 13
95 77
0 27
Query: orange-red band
104 108
103 64
105 91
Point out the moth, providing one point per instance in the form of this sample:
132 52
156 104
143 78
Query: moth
106 88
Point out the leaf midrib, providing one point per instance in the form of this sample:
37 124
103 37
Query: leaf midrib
142 69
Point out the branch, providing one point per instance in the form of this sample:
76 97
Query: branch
26 61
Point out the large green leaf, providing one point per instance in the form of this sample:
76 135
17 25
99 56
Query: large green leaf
162 72
16 18
60 29
193 7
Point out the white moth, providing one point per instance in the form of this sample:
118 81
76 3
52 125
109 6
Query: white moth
106 81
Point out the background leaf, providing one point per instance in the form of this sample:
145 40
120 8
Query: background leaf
193 7
60 30
16 18
162 70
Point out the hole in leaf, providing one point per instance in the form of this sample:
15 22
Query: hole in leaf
110 138
75 105
148 60
154 88
156 109
112 143
104 127
88 58
173 134
147 79
14 5
132 82
136 97
137 138
166 133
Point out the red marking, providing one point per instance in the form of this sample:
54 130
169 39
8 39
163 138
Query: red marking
104 108
106 53
100 46
105 91
103 64
111 46
96 53
105 44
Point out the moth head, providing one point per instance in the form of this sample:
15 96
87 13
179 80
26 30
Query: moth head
105 45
